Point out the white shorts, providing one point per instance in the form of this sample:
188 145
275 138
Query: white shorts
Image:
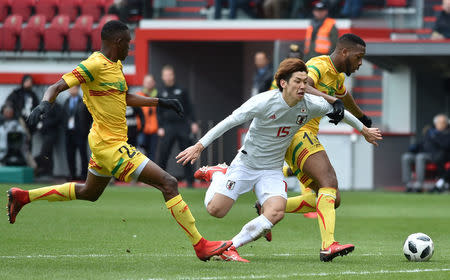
241 179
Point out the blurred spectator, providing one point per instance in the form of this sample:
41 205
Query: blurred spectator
262 79
173 128
77 122
233 6
148 137
132 114
119 8
294 51
441 29
322 34
127 10
438 145
23 100
334 7
12 138
276 8
48 128
435 147
352 8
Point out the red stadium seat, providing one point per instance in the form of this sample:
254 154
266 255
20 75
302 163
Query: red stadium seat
95 8
396 3
47 8
11 31
54 35
4 5
96 33
79 34
70 8
32 33
22 7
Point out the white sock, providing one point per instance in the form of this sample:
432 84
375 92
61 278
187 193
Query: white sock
252 231
217 179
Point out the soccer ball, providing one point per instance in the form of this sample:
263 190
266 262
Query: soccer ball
418 247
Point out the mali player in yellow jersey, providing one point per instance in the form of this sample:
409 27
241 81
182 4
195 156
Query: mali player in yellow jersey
106 96
307 158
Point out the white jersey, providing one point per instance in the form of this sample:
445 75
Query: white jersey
273 126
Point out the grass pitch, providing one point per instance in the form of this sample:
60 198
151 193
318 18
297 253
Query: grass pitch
129 234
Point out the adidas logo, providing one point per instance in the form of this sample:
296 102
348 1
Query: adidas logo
272 117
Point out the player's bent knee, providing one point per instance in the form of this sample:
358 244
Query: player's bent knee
215 211
169 184
274 216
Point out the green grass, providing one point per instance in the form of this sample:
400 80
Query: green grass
84 240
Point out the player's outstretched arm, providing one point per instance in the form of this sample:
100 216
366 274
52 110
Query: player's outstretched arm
135 100
371 135
44 107
190 154
350 104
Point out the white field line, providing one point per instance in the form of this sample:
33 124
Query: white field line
157 255
280 276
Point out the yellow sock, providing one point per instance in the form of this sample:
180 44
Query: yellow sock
326 215
62 192
286 171
180 211
301 204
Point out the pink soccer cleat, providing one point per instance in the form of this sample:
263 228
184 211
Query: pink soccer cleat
17 198
334 250
206 172
310 215
205 249
231 255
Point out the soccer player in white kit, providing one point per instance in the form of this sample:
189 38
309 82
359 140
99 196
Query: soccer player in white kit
277 115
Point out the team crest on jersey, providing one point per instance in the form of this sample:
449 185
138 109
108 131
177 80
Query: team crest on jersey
301 119
230 184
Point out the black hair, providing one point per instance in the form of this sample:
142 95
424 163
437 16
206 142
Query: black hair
26 77
112 28
352 39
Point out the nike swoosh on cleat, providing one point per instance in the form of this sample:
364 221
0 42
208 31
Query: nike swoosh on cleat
223 245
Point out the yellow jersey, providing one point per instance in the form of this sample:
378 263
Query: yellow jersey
104 93
326 79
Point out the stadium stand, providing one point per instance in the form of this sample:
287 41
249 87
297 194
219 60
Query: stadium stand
4 6
185 9
367 92
94 8
23 8
32 33
80 34
48 8
56 35
11 32
70 8
96 39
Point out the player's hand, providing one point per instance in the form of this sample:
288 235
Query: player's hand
172 104
191 154
372 135
338 112
366 121
39 113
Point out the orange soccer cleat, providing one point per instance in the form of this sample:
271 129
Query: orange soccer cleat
206 172
310 215
334 250
268 234
17 198
205 249
231 255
